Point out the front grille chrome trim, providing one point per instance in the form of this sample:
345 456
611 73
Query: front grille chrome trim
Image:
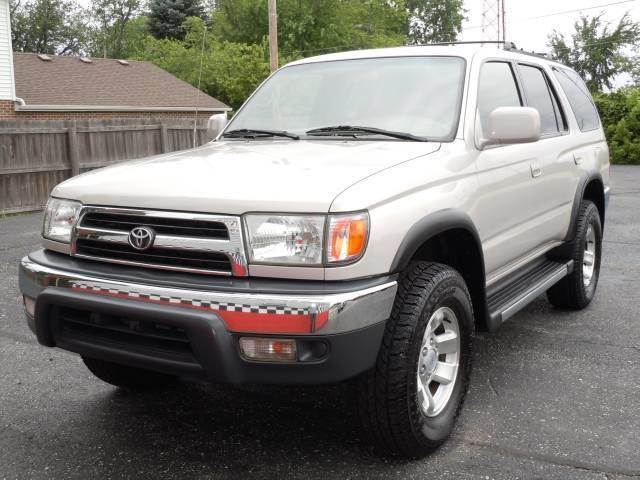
232 248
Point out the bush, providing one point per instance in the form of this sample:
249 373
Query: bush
620 114
230 71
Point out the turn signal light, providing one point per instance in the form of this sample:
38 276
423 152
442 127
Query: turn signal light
347 237
268 349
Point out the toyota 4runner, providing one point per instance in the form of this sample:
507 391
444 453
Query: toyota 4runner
360 216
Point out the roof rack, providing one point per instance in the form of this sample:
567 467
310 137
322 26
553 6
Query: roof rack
506 45
533 54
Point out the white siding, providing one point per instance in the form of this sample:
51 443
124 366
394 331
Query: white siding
7 89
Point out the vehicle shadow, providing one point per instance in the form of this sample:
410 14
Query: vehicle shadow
303 432
218 428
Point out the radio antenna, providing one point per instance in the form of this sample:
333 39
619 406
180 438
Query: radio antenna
195 120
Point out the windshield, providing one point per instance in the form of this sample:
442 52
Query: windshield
416 95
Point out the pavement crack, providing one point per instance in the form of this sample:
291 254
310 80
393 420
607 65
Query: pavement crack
577 340
637 244
555 460
492 387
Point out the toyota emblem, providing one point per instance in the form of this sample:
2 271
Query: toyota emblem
141 238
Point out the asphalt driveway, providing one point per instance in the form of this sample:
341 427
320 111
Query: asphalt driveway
554 395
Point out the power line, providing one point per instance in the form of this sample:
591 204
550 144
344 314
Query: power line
355 47
580 9
338 47
564 12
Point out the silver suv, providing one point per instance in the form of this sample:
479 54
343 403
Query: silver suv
358 219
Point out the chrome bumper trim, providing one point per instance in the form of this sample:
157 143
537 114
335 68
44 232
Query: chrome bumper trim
327 313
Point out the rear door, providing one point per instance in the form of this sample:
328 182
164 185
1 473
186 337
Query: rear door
554 169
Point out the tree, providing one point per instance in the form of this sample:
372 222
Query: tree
597 51
230 71
431 21
166 17
620 114
112 18
308 27
48 26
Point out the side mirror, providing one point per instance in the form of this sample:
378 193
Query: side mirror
216 123
510 125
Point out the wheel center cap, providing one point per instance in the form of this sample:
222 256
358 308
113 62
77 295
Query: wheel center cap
430 360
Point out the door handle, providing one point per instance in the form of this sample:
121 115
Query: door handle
577 158
536 171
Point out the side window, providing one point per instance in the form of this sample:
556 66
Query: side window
538 96
579 99
497 88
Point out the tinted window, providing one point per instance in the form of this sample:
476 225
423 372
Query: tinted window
579 99
497 89
538 96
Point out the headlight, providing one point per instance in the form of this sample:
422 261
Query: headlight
299 239
285 239
59 218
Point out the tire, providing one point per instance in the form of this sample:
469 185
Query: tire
576 290
129 378
389 395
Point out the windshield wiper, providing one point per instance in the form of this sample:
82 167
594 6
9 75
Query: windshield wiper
352 130
255 133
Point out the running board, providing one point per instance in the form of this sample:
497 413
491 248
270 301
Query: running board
520 292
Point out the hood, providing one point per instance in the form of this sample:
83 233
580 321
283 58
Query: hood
236 177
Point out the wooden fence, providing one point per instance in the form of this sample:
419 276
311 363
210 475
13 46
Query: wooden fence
36 155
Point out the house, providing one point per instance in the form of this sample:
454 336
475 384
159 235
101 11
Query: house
50 87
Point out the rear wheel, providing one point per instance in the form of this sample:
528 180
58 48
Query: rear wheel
576 290
409 401
130 378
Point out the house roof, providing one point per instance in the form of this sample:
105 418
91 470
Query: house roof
97 84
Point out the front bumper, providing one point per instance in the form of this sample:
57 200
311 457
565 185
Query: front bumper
122 315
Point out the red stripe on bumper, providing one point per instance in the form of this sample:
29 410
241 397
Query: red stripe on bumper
238 321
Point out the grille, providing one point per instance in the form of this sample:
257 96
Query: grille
125 334
178 227
185 242
178 259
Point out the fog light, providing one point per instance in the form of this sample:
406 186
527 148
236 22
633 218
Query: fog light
29 306
268 349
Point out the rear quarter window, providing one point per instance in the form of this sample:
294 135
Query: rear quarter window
579 98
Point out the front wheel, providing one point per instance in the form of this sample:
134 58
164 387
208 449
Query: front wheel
409 401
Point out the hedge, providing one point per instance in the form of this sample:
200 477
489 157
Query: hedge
620 114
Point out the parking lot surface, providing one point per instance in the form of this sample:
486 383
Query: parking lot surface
554 395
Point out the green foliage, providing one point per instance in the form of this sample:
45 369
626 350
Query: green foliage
432 21
620 114
166 17
230 71
308 27
48 26
596 50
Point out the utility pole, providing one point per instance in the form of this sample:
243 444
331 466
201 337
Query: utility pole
493 23
504 24
273 35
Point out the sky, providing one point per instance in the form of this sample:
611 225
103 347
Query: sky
529 22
